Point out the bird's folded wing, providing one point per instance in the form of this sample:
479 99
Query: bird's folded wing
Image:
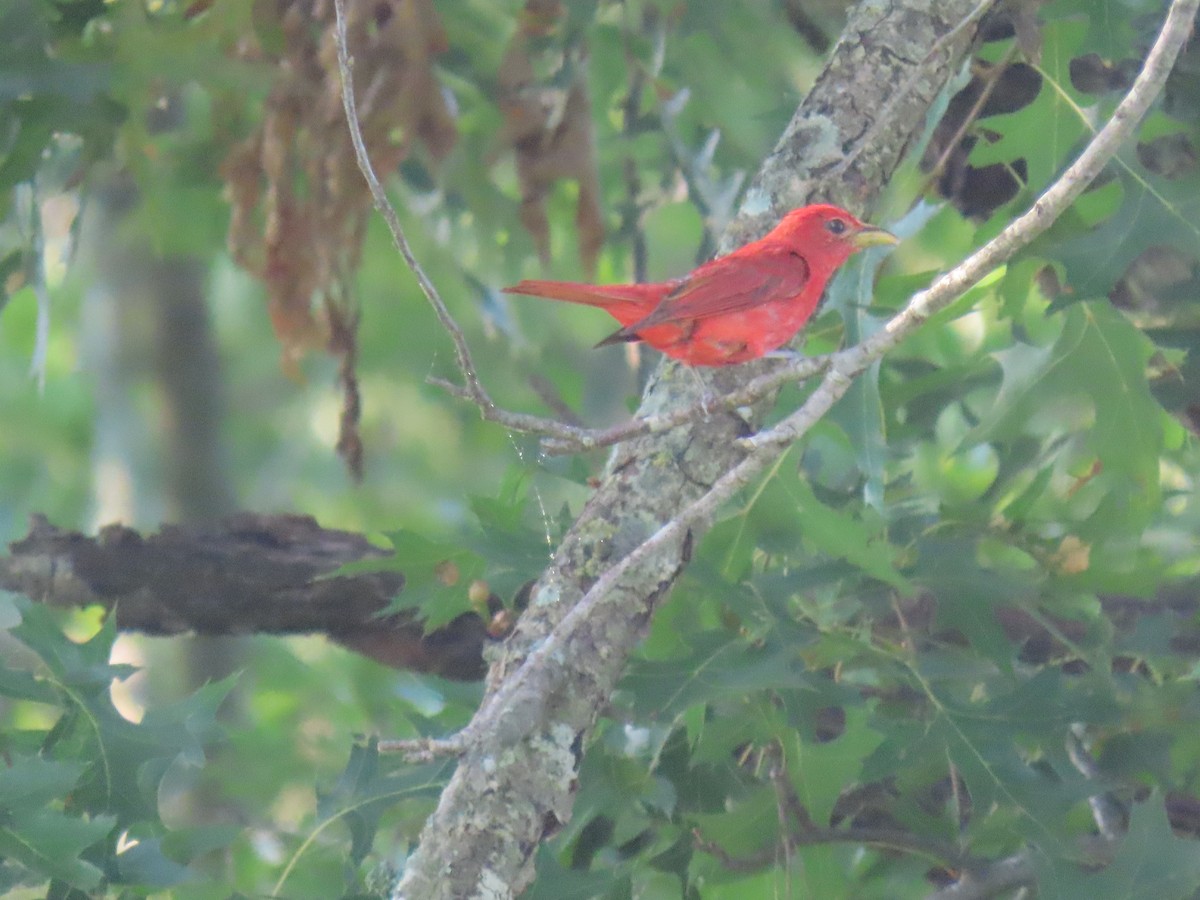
732 284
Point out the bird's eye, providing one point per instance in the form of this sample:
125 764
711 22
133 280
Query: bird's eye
837 226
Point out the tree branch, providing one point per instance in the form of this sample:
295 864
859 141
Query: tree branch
245 574
800 369
992 880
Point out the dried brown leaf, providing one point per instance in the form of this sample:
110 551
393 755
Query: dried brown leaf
299 203
549 128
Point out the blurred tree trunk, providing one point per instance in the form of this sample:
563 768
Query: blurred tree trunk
159 410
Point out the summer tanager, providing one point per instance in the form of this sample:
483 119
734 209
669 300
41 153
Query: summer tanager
737 307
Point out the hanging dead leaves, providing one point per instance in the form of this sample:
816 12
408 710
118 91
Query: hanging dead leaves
548 125
300 205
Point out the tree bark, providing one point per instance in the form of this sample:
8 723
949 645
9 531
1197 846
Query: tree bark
245 574
516 782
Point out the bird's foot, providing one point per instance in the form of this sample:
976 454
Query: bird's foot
706 395
789 355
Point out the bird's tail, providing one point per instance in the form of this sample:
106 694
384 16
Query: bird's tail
627 303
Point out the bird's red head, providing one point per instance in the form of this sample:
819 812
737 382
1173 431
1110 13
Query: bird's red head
829 230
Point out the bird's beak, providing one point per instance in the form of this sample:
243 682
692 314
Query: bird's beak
870 236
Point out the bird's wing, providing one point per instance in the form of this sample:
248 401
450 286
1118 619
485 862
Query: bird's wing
731 284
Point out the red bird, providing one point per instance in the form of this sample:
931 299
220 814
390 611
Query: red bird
736 307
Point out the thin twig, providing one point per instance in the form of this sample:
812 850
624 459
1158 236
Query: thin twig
785 791
580 440
523 687
473 387
991 880
799 369
751 863
563 433
549 394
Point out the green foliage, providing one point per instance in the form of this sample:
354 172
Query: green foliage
501 550
79 795
1149 860
869 674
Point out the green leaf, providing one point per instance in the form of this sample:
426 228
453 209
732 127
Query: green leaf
18 685
844 537
128 760
80 666
145 864
1150 862
436 576
968 594
1042 387
558 882
1154 212
860 411
506 511
620 788
1110 33
720 666
820 772
50 843
363 792
31 782
514 551
1054 115
1006 739
186 844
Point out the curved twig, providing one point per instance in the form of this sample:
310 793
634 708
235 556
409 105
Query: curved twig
473 388
800 369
